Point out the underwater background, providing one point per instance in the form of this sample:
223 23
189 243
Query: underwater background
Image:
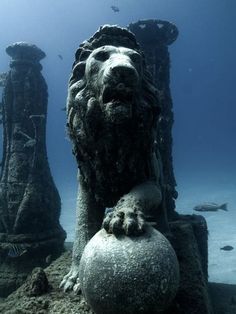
203 79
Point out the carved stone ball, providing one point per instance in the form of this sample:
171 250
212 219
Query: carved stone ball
129 275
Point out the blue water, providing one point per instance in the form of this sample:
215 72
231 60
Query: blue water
203 76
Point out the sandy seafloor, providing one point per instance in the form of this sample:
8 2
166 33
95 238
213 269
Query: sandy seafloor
193 190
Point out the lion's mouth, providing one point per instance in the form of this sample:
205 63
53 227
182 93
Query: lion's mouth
118 103
120 94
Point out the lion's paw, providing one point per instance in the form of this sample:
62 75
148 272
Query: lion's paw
71 281
125 221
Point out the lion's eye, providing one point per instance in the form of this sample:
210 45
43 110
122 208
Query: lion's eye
101 55
136 58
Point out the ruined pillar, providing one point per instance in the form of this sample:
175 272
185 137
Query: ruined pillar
29 200
155 36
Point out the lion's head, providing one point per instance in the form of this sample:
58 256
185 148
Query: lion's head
111 101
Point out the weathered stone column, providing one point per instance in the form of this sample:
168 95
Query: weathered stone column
29 200
154 36
189 233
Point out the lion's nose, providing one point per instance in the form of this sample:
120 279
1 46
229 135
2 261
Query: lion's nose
124 73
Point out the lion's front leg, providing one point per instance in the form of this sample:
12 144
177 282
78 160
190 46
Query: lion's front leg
130 212
88 222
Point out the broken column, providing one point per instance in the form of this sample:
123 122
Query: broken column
155 36
29 200
189 234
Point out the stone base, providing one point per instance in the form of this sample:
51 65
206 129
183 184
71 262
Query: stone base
20 254
189 239
192 298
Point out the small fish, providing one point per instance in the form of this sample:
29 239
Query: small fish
227 248
63 109
210 207
115 9
17 250
30 143
60 57
48 259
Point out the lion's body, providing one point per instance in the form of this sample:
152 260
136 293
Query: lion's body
115 166
112 119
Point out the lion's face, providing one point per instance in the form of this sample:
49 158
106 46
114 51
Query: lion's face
113 78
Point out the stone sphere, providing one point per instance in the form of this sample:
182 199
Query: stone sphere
129 275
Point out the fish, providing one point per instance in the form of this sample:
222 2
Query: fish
60 57
48 259
210 207
63 109
30 143
227 248
16 250
115 9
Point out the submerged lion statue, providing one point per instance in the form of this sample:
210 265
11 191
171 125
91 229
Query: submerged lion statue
112 116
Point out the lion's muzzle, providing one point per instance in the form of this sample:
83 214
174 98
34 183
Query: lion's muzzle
120 84
121 72
124 73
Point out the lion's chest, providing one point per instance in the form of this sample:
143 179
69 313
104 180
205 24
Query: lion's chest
115 166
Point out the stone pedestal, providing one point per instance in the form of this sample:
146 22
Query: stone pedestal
189 240
192 296
29 200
